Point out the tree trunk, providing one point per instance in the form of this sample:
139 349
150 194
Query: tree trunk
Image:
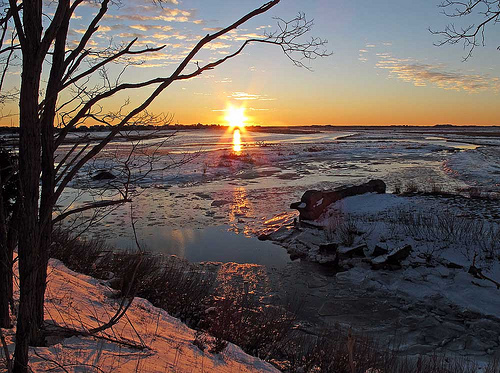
8 241
48 149
5 284
28 320
5 265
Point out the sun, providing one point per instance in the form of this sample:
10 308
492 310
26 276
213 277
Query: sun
235 116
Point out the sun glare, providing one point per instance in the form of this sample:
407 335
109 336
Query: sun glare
235 116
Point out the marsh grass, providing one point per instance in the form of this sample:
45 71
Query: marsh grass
472 237
342 228
336 352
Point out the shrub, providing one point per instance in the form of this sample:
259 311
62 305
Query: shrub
167 282
239 317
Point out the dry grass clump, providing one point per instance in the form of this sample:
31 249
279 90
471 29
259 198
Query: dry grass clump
344 229
167 282
89 256
227 158
339 352
240 318
474 237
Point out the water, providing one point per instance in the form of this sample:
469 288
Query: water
215 243
174 209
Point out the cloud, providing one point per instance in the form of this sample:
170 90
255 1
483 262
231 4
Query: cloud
142 13
212 29
246 108
145 28
256 109
249 96
216 45
157 59
225 80
421 75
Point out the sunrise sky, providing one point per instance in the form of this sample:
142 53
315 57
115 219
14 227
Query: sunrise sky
384 68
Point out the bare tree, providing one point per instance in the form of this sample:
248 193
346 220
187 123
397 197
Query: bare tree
8 232
484 12
53 70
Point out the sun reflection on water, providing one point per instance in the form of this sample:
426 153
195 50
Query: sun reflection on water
241 208
237 141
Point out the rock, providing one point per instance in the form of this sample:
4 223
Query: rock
295 256
314 202
350 252
377 251
315 282
332 262
392 260
219 203
103 175
452 265
443 272
475 344
397 255
264 237
328 248
379 262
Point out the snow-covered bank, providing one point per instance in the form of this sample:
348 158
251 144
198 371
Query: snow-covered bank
160 342
431 301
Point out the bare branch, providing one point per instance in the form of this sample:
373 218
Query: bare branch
472 35
125 51
90 206
91 29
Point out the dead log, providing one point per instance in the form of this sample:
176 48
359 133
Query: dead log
314 202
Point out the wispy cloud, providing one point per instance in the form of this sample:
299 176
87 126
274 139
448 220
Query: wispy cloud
246 108
217 45
422 74
225 80
249 96
151 13
145 28
212 29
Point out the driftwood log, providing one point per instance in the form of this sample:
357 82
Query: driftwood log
314 202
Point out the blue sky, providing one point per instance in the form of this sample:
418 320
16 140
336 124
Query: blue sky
384 68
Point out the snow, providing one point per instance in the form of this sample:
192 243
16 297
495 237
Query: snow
423 286
252 194
166 344
318 203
